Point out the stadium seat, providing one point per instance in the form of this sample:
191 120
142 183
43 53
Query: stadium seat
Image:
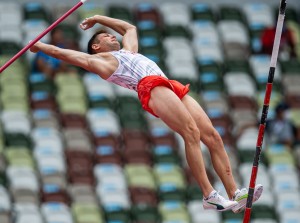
82 194
287 201
32 28
8 47
103 122
147 12
247 139
169 177
260 66
77 139
235 42
87 213
71 98
215 103
165 154
149 32
12 34
294 27
117 216
11 14
42 100
58 10
239 84
202 12
16 122
80 166
173 211
18 156
90 9
291 14
264 220
139 175
70 33
18 140
145 213
193 192
53 193
35 11
286 182
243 119
176 65
52 211
229 12
263 178
198 214
99 93
279 154
5 202
230 217
258 15
138 155
23 184
211 81
175 14
264 213
206 54
120 12
290 216
143 196
28 212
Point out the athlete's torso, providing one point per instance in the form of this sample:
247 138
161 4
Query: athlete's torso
132 68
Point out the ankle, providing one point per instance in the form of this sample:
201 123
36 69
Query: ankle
234 194
206 196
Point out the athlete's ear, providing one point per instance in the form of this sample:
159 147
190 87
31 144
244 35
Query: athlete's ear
96 46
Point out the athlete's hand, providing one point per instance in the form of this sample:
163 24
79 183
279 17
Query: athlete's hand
35 47
88 23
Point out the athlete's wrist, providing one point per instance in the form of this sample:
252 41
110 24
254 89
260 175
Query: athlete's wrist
96 18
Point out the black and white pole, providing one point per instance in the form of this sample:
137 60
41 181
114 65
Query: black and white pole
265 109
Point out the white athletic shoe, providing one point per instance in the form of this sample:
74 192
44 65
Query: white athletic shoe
242 195
217 202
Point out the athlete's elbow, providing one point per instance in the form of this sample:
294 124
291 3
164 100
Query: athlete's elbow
132 27
129 28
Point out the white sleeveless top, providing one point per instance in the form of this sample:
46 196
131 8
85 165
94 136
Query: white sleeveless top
132 68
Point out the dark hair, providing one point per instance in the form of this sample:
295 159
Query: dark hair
281 107
93 40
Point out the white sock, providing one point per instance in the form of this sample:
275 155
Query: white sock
211 193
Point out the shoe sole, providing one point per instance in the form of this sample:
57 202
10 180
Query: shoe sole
242 204
212 207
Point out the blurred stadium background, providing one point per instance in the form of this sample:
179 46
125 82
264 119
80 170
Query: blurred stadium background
77 149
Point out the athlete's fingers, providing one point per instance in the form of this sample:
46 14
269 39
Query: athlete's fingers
83 26
87 23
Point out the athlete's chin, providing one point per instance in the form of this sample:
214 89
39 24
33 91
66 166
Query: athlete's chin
117 47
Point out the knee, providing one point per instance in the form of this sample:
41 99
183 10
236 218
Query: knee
213 140
190 132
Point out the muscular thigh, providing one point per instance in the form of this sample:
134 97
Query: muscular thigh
169 108
202 120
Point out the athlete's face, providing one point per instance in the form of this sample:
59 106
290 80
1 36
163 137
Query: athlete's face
108 42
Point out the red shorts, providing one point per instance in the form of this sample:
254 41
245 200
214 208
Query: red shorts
146 84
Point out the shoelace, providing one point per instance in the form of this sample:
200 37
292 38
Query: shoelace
221 198
218 196
239 192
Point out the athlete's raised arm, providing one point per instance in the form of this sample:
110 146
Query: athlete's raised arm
127 30
92 63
